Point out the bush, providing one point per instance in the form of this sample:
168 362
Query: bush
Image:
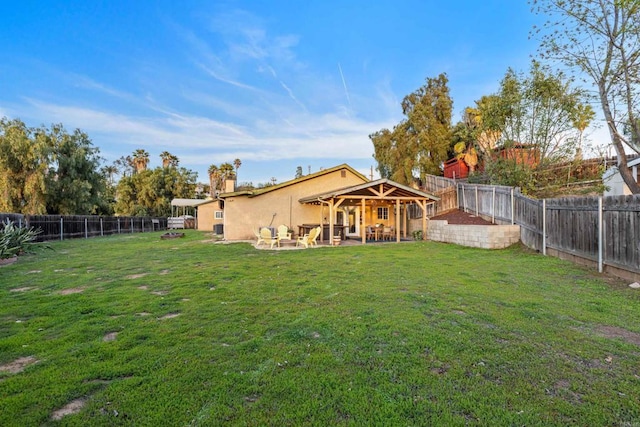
16 240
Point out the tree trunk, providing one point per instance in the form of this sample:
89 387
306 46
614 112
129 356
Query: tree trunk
623 167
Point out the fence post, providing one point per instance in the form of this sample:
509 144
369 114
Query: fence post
544 226
131 224
118 220
513 208
61 229
86 228
493 207
464 200
101 228
600 236
477 208
143 225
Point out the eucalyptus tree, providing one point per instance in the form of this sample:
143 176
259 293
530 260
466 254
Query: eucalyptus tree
600 41
421 142
24 160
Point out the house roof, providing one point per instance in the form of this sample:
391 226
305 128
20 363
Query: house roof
260 191
379 189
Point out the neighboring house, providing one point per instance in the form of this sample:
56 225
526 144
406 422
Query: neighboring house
340 199
613 182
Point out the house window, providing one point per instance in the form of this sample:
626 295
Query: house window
414 211
218 215
343 173
383 213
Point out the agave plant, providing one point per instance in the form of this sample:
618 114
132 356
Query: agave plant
16 240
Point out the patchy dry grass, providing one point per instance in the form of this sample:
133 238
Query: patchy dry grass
192 333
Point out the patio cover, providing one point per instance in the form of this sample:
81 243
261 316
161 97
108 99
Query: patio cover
374 191
184 204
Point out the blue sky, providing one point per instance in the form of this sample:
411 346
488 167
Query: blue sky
277 84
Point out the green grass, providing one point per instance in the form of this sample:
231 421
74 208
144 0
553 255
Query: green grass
395 334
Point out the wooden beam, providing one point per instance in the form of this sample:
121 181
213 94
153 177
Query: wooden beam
398 220
363 228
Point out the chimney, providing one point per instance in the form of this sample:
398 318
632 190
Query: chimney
230 185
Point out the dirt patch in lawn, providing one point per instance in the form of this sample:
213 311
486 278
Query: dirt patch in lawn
72 407
71 291
461 218
25 289
170 316
18 365
615 332
111 336
136 276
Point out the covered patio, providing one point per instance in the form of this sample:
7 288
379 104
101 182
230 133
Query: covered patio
368 198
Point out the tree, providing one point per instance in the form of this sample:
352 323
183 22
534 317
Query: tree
24 157
169 160
140 159
149 193
600 41
214 180
538 110
420 143
298 172
75 185
236 164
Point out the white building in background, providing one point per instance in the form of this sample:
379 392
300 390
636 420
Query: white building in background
613 182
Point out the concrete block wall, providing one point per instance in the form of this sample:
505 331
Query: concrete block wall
477 236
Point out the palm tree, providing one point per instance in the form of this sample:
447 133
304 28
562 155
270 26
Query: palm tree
169 159
214 179
236 164
140 159
226 171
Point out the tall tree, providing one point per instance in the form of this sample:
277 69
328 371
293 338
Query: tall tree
420 143
140 159
24 157
236 164
600 41
75 185
539 110
149 193
169 160
214 180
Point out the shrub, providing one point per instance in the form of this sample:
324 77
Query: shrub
16 240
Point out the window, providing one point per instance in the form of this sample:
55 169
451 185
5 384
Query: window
343 173
218 215
414 211
383 213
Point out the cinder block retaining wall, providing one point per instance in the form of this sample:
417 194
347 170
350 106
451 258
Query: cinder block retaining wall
477 236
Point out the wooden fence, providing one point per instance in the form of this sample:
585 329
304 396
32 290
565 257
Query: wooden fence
57 227
597 231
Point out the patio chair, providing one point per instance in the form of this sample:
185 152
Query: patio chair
371 234
257 234
265 234
283 233
386 233
313 241
308 239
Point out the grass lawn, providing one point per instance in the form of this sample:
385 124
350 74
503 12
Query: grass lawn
134 330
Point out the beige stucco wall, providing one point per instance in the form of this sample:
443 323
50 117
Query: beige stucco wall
243 214
206 215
